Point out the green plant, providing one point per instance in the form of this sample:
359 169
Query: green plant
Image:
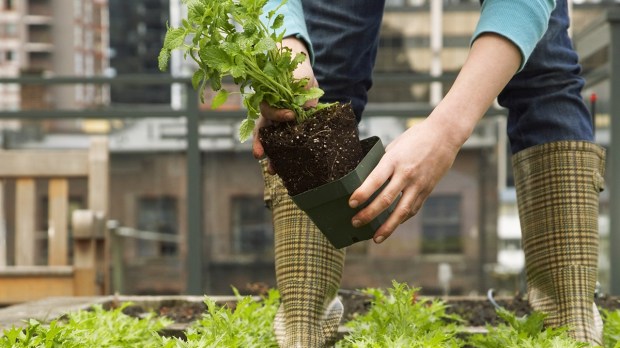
249 325
228 38
399 318
523 332
611 330
93 328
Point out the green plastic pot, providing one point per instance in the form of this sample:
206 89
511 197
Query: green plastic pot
328 205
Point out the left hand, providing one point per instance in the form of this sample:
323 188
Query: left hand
269 114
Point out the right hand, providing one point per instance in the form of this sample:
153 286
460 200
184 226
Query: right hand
491 63
269 115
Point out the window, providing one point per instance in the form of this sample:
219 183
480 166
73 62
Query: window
9 30
441 225
158 214
252 226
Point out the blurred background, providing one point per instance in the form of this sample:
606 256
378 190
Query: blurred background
181 204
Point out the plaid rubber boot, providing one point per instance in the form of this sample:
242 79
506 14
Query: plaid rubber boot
308 273
558 187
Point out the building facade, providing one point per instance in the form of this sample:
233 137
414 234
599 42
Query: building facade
59 37
137 30
458 227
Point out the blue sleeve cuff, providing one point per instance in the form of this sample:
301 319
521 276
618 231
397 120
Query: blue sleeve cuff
523 22
294 22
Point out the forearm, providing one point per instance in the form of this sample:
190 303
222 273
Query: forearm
491 63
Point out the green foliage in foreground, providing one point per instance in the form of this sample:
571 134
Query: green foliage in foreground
397 318
93 328
249 325
525 332
611 333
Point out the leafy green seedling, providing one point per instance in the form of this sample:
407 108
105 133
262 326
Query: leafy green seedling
398 318
611 331
524 332
94 328
235 38
249 325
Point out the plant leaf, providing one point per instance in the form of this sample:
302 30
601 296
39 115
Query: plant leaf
278 22
174 38
164 57
265 44
217 58
312 93
246 129
219 99
315 93
197 78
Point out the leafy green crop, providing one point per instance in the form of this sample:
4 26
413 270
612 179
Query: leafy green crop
249 325
400 319
524 332
396 319
228 38
611 331
95 328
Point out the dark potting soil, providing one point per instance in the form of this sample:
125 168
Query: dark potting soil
481 312
183 312
317 151
475 311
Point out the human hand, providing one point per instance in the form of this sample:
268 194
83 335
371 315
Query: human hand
414 163
269 115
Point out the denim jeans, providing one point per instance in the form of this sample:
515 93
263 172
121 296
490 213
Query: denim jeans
345 36
544 99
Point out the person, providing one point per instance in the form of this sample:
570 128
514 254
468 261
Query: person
520 54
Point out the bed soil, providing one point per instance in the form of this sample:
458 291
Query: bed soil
475 311
481 312
317 151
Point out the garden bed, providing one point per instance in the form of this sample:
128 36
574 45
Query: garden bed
177 316
477 311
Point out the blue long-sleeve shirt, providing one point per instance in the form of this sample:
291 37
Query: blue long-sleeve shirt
523 22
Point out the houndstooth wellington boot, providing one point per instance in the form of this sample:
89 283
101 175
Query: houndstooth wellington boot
558 187
308 274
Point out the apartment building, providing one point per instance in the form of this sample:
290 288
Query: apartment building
137 30
53 37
